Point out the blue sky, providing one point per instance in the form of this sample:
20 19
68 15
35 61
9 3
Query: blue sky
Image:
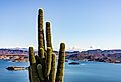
78 23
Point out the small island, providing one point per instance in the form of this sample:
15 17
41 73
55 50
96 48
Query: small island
14 68
74 63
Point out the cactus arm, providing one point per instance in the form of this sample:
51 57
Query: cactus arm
48 35
33 67
53 68
41 55
48 62
31 56
60 67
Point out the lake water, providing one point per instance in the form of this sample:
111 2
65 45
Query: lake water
12 76
93 72
85 72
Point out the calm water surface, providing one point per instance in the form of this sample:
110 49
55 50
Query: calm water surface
12 76
93 72
85 72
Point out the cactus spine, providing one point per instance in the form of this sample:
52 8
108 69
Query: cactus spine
43 66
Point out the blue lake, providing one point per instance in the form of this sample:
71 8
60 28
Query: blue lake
93 72
85 72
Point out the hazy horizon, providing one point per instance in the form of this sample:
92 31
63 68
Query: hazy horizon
80 24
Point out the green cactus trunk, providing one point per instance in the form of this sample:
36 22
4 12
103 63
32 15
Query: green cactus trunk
43 66
53 68
41 42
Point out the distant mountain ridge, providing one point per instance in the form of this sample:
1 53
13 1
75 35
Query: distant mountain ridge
17 51
113 56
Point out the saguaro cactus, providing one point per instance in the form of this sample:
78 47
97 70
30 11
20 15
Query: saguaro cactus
43 66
